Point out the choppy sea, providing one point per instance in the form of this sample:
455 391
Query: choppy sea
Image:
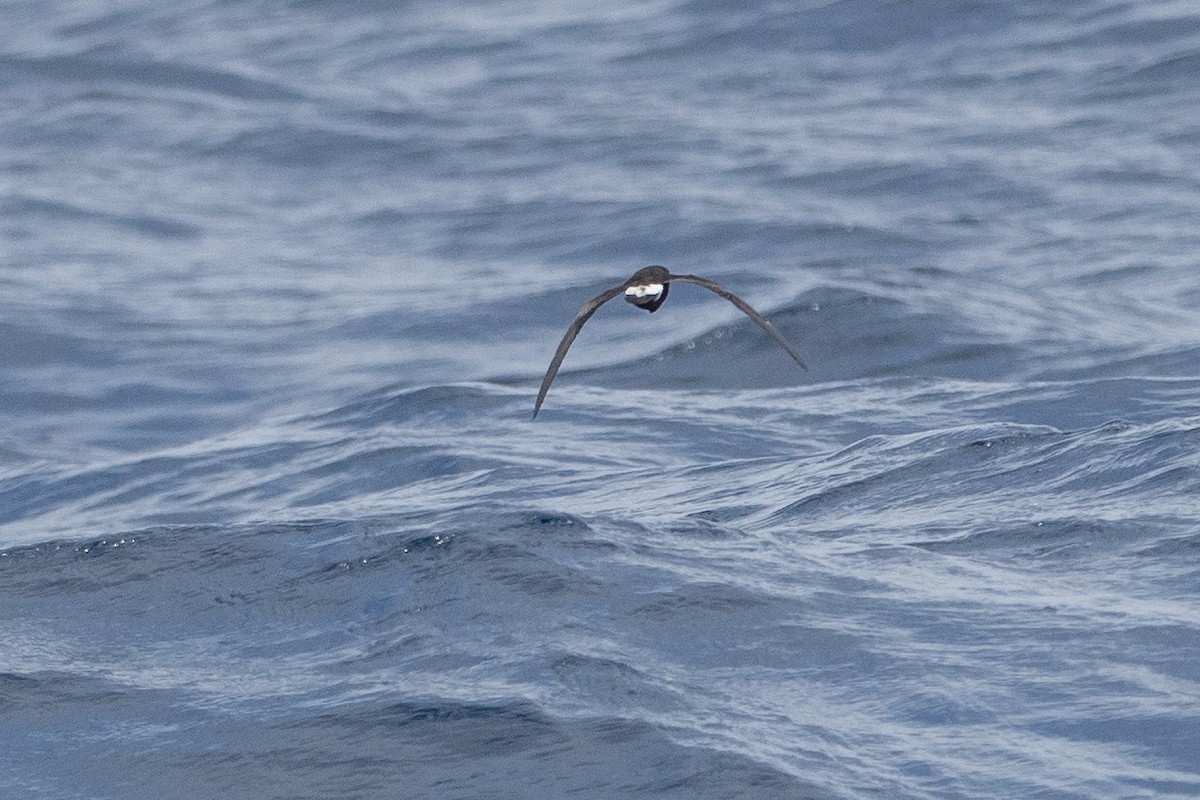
278 283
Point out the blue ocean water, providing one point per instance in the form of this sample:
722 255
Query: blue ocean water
278 283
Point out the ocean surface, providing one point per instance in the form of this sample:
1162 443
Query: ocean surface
279 280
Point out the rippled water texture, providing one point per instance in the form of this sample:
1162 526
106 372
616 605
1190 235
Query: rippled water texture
279 281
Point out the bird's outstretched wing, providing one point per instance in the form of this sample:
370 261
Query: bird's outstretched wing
583 316
745 308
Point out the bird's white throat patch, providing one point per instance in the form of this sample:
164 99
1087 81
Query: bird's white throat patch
645 290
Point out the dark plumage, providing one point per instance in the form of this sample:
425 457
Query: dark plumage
648 288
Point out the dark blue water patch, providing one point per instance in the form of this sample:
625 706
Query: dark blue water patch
1118 275
367 470
226 586
1087 401
1087 473
339 11
106 24
125 482
150 414
223 580
707 525
695 601
24 345
851 26
97 711
470 731
218 480
36 212
406 405
511 148
453 749
528 553
100 68
711 519
1187 135
465 750
1092 540
1106 27
27 497
447 48
559 229
1176 740
404 119
957 184
1180 70
320 146
685 238
46 570
591 233
515 565
1185 548
15 688
836 497
613 684
18 460
1153 364
1169 77
773 633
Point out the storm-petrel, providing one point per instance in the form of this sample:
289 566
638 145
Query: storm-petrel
648 289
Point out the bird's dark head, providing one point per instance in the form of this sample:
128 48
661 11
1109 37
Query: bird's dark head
648 288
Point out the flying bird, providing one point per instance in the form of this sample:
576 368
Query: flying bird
648 288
